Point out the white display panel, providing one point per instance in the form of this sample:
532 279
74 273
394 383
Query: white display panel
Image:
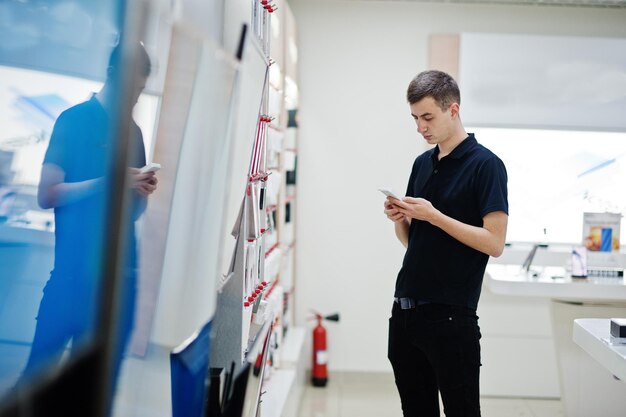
194 149
249 87
543 81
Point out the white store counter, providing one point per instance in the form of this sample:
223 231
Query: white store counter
26 259
587 389
593 335
553 282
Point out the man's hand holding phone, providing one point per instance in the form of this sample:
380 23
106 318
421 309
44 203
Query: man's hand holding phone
392 203
143 180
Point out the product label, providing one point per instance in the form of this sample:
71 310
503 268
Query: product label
321 357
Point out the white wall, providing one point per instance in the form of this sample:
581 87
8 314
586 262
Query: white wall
356 59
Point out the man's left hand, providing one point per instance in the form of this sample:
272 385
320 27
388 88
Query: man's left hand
419 209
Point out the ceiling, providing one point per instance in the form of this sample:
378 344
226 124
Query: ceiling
614 4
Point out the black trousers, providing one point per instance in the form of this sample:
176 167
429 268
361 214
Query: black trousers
69 310
435 348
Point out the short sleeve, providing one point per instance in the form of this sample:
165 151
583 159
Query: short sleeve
409 187
491 187
59 142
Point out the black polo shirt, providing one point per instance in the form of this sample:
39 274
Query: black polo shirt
466 185
81 145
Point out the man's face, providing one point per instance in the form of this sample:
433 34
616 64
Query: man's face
434 124
139 86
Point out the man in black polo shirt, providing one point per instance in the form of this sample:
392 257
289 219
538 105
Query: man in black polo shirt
75 179
453 218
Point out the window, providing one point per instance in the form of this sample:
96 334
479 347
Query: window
555 176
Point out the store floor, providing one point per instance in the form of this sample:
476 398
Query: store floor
375 395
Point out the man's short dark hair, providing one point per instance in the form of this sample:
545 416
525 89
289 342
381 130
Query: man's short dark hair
436 84
143 60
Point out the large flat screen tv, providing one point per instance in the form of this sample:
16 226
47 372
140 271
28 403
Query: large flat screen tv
189 365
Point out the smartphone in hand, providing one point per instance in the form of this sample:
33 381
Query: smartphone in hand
389 193
151 167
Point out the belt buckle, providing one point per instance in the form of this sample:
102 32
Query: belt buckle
406 303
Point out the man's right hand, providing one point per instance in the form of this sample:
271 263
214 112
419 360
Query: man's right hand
143 183
400 222
392 212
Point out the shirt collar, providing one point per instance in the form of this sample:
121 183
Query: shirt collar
461 149
95 100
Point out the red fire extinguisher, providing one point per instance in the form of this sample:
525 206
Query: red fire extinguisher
320 355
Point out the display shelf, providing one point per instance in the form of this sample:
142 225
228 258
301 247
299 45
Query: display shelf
260 256
276 392
293 344
276 128
284 388
270 250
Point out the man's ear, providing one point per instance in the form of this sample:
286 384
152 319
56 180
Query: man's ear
454 110
110 71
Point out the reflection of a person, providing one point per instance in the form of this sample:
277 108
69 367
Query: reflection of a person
74 182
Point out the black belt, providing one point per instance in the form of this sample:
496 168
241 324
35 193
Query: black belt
407 303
